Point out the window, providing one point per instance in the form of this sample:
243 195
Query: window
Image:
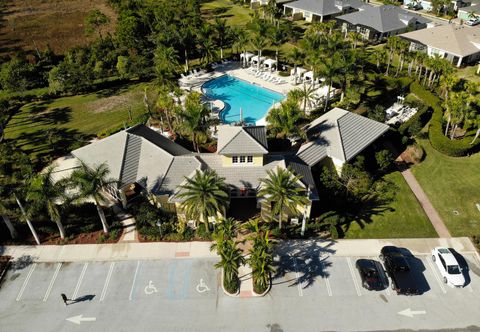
242 159
250 159
234 159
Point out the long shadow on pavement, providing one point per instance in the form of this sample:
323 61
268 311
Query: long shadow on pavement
310 259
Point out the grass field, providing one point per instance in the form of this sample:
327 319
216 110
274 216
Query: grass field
235 15
453 187
73 118
29 24
404 217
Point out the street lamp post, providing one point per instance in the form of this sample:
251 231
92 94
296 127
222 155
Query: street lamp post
304 220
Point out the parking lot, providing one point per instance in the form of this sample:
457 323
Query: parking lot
310 291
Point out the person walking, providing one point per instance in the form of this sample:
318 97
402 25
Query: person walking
64 298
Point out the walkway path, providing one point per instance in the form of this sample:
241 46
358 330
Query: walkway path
129 231
427 206
422 198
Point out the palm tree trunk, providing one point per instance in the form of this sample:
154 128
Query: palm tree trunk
221 52
29 223
280 217
448 124
327 97
454 129
11 229
186 60
60 228
476 136
276 59
103 219
205 221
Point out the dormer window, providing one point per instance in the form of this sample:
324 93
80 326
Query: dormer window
242 159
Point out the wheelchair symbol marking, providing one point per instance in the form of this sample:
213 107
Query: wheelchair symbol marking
202 287
150 288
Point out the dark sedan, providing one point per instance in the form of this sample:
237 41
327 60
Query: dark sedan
370 274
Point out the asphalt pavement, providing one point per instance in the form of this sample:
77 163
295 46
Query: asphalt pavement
314 289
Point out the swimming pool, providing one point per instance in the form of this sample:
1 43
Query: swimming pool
253 100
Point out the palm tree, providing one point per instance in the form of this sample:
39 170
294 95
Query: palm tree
391 46
44 193
261 260
208 50
221 33
231 257
242 40
329 71
283 120
355 37
194 119
204 195
90 182
166 64
281 189
296 56
165 104
277 37
447 83
379 56
474 121
259 42
307 96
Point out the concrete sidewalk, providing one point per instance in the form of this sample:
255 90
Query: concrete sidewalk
170 250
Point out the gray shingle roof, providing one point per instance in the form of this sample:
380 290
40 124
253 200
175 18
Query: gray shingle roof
305 172
383 18
339 134
109 150
325 7
454 39
159 140
235 140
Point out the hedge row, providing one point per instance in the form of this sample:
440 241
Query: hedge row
423 115
454 148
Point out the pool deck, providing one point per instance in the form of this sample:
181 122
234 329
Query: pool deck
234 69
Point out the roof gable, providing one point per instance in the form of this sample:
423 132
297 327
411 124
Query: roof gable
241 141
339 134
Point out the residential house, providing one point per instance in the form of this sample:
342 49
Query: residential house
457 43
337 137
427 5
320 10
469 12
377 23
145 161
257 3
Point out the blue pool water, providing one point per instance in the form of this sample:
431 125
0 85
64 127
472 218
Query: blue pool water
254 100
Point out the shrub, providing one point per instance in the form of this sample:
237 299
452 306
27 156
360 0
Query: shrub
384 160
454 148
413 154
415 124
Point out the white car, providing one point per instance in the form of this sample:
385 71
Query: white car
448 266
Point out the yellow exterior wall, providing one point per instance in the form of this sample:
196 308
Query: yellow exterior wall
257 161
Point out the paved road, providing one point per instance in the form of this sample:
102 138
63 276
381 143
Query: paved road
313 290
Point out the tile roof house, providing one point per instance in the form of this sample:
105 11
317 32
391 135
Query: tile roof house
142 159
382 21
457 43
319 10
339 135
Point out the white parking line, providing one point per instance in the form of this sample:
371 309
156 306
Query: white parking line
50 286
79 282
22 289
107 281
297 276
439 281
133 282
327 282
352 272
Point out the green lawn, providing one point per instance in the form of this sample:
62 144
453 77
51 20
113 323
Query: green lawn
72 120
236 15
403 218
453 187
